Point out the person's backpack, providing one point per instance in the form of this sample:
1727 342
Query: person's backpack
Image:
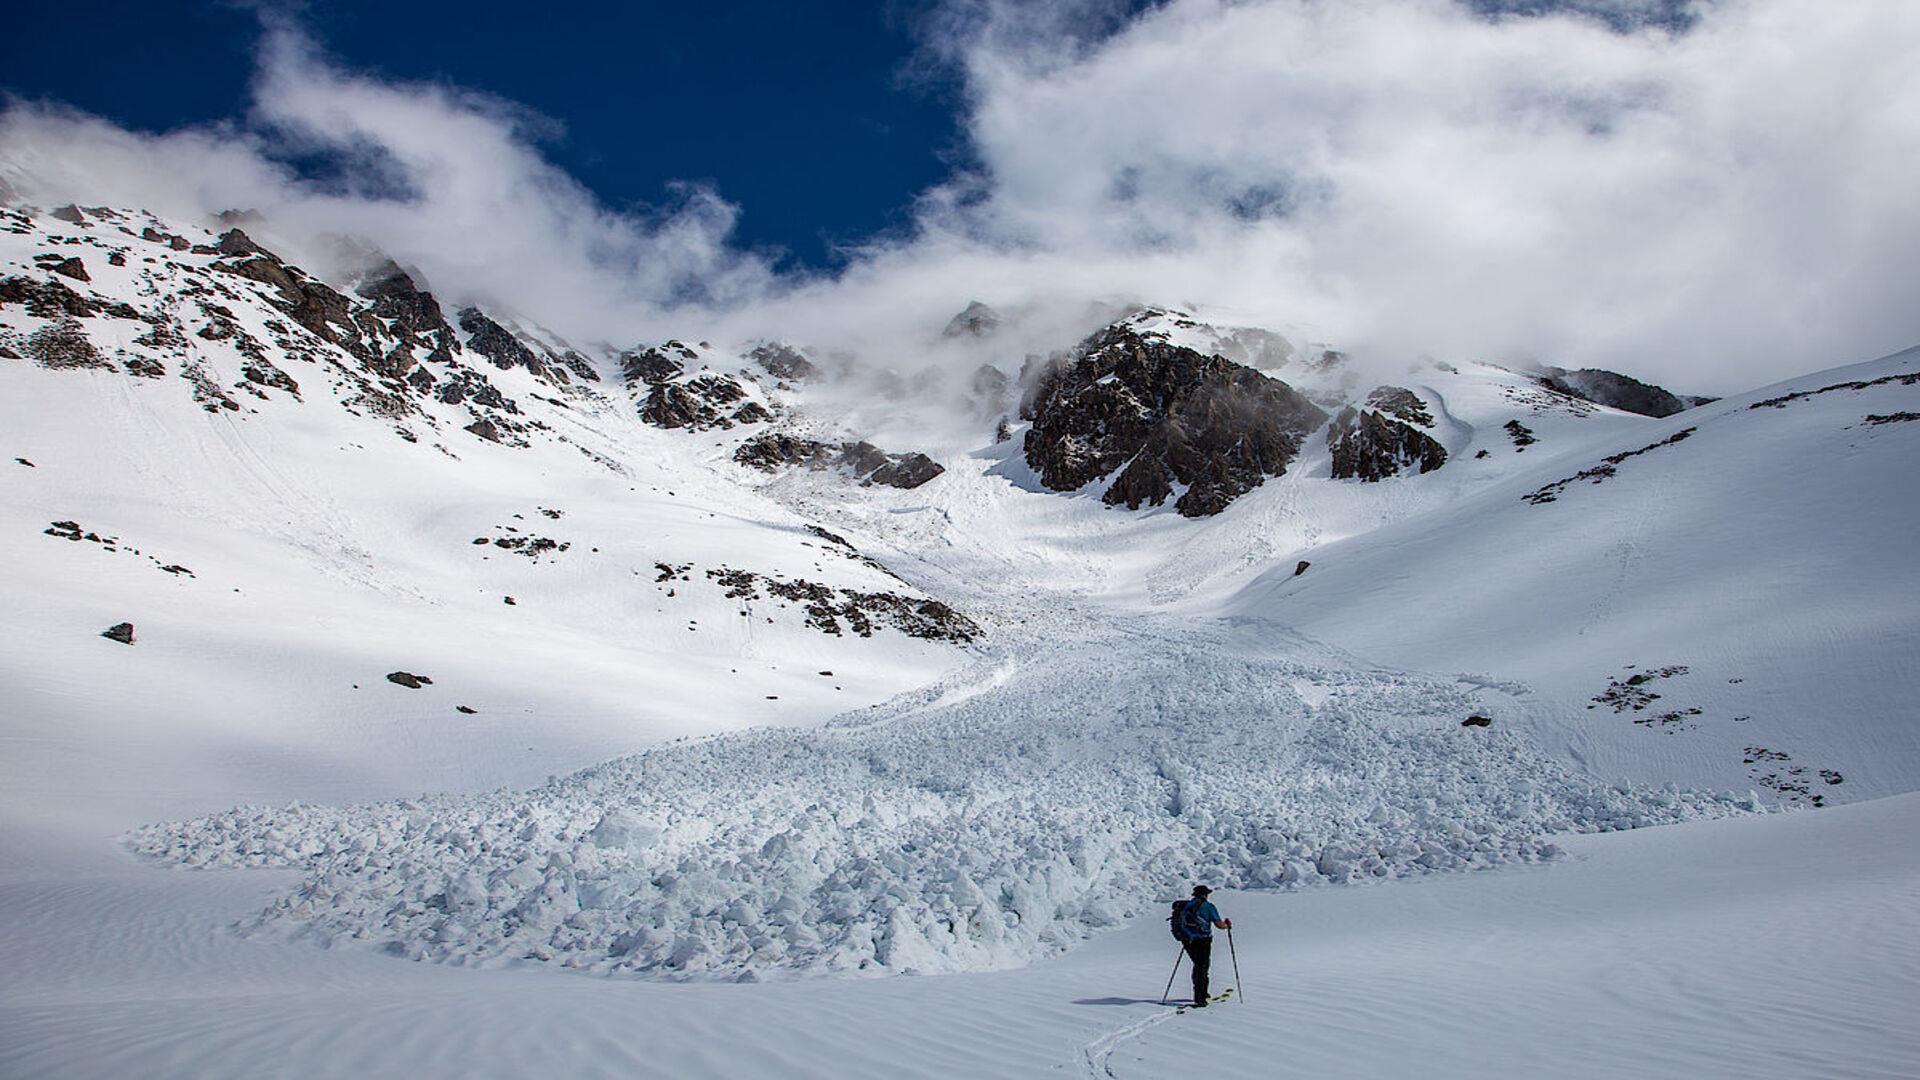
1185 922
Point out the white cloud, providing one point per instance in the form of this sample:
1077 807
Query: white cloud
447 180
1718 206
1712 208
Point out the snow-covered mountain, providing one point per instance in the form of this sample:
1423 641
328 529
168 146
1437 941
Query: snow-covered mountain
462 623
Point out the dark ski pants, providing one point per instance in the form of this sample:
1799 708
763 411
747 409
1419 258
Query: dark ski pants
1200 951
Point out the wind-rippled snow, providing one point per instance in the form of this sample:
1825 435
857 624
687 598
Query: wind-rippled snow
1048 792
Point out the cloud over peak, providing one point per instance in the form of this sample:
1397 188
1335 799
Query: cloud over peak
1714 194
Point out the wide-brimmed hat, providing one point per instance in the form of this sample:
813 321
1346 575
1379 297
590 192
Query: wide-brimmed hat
1201 890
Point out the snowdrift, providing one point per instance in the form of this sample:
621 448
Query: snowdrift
979 824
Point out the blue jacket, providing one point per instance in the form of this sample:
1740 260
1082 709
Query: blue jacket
1206 911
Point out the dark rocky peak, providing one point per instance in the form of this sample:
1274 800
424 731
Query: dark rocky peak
1616 391
386 352
1371 446
496 342
70 213
233 242
1162 415
400 300
783 361
862 460
1401 404
977 321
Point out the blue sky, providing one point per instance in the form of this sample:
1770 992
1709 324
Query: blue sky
804 115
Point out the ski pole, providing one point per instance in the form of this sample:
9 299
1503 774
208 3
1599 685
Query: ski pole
1238 990
1176 971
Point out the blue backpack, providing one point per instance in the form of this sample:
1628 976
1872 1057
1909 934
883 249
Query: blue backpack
1185 922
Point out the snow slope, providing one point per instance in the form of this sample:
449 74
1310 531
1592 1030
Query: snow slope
1778 945
319 551
1152 700
1768 553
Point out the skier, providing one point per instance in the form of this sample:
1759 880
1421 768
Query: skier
1194 923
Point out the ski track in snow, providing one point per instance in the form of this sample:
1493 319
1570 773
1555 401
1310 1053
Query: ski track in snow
1097 1055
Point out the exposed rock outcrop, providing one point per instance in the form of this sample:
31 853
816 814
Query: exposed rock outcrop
1616 391
46 299
862 612
71 267
308 301
497 343
862 461
177 243
700 403
409 309
1372 446
656 365
1161 415
783 361
1401 404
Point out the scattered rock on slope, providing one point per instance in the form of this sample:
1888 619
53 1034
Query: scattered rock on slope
63 343
120 632
1371 447
862 460
1162 415
408 680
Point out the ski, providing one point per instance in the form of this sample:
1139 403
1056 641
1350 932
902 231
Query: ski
1211 1001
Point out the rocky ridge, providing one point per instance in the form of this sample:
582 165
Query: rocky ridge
1152 415
1617 391
233 320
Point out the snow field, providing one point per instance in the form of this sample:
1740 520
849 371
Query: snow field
958 828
